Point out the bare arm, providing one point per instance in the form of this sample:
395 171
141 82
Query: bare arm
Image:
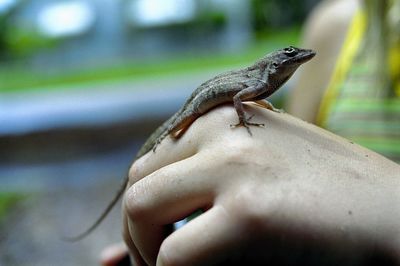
324 32
290 185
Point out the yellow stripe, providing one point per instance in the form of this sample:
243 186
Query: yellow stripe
394 67
345 59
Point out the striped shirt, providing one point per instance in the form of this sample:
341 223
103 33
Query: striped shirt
362 102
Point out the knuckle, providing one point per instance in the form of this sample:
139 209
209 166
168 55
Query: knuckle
168 256
137 170
237 151
133 173
134 203
133 170
250 209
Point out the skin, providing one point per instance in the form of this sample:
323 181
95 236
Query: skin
290 185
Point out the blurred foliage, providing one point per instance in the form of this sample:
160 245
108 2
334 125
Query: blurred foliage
269 14
6 24
22 42
4 28
18 79
205 19
8 200
18 40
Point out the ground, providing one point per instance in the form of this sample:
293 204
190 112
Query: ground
30 235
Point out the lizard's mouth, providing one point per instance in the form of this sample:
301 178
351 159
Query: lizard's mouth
303 56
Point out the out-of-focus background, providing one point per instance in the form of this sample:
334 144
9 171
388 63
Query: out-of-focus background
84 82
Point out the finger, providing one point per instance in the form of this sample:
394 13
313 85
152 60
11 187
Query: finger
199 242
136 258
164 197
172 191
114 255
147 237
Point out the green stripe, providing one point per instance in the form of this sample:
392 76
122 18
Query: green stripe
380 145
360 132
336 124
368 105
371 117
356 86
360 69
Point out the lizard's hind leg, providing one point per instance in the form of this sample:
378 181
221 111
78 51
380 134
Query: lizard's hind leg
177 128
182 125
267 105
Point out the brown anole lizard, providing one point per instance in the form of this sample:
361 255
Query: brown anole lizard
253 83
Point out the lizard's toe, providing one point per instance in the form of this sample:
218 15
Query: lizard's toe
256 124
236 125
248 130
245 123
279 111
155 145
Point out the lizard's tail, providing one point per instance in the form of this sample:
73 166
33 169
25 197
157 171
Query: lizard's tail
101 217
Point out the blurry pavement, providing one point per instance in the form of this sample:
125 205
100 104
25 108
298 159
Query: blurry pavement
66 196
94 104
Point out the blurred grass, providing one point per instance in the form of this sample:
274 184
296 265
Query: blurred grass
7 201
12 80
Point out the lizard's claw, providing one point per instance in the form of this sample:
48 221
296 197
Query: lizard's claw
155 145
279 111
245 123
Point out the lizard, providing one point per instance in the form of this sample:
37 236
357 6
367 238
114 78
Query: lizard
253 83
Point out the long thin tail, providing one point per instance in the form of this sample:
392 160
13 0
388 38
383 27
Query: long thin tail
101 217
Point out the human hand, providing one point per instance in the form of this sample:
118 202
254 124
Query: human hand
291 188
115 255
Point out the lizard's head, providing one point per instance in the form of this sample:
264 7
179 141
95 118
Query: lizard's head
294 56
287 60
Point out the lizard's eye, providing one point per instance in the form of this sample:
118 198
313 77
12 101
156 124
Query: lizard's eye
290 51
275 65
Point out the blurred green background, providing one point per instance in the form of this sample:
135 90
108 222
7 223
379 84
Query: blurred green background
84 82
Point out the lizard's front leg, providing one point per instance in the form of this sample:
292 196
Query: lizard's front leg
246 94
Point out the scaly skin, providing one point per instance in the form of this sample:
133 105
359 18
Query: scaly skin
253 83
